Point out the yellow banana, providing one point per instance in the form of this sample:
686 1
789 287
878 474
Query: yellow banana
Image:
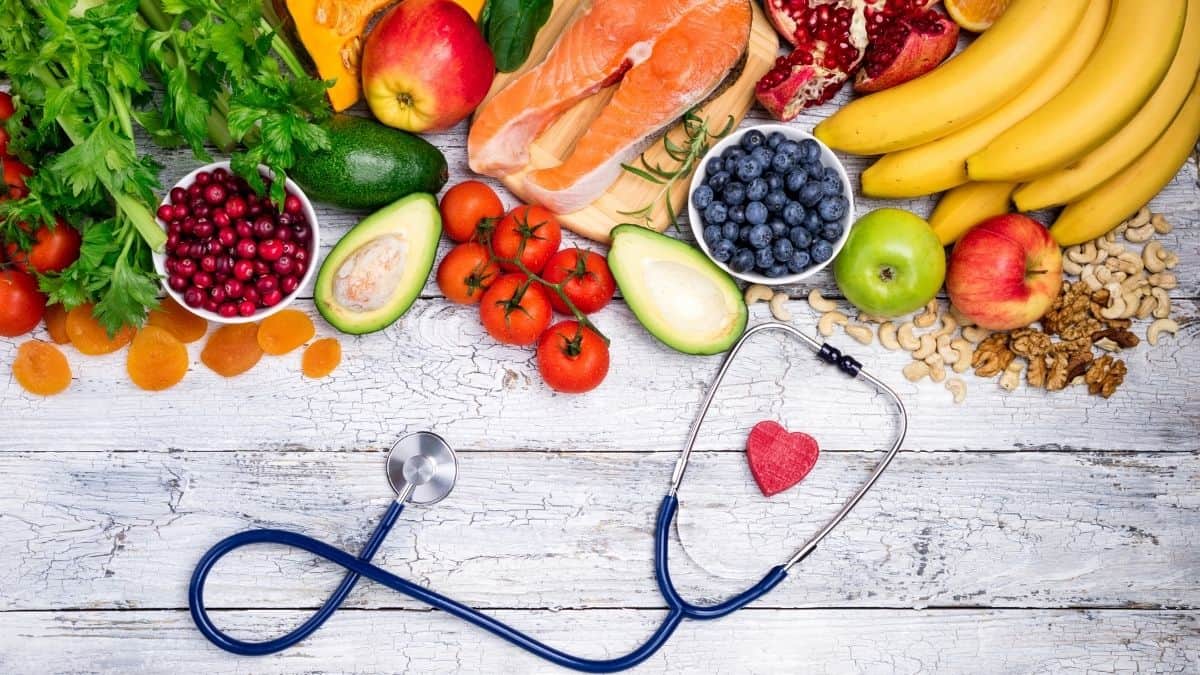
967 205
1132 140
1115 199
1134 53
989 72
942 164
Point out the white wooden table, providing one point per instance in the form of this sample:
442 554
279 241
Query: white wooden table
1019 532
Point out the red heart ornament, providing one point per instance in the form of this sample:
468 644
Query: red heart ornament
778 458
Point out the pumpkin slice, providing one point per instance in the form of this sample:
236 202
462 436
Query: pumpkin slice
331 31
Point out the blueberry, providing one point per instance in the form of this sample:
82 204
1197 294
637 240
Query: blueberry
753 139
760 236
809 194
762 156
777 270
714 165
731 164
756 189
744 234
775 201
814 169
813 222
793 214
748 169
821 251
716 213
756 213
781 162
799 262
782 249
832 208
723 250
730 230
742 260
796 179
774 181
800 237
831 231
809 150
764 259
733 152
702 197
717 181
775 138
778 228
737 214
712 234
791 149
831 182
735 193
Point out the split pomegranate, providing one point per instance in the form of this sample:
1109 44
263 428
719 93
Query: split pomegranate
905 46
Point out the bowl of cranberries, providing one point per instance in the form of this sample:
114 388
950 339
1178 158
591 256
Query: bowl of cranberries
232 255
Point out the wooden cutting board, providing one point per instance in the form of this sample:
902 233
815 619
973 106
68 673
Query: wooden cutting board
630 192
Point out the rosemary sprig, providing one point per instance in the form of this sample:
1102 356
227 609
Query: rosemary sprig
697 140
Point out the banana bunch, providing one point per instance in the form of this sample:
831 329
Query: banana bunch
1089 103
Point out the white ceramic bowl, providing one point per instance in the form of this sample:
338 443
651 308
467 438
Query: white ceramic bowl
827 159
160 259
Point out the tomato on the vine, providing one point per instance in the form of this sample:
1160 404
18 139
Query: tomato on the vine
572 358
465 205
466 272
585 277
534 225
15 174
21 303
515 310
53 249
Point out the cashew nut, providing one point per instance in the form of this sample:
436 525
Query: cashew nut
1153 256
1071 267
1160 224
1107 344
975 334
756 293
1164 280
1145 306
819 302
928 346
937 369
1140 227
949 356
1134 283
1129 262
1082 253
1116 302
829 320
964 351
1011 378
1171 259
1162 307
906 338
887 336
860 332
957 387
778 305
1104 275
916 370
1110 246
929 316
1161 326
949 325
1088 276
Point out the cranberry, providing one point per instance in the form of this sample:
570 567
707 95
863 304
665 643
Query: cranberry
292 204
214 194
254 210
172 239
224 265
208 263
240 184
221 218
166 213
289 284
246 308
185 268
289 248
235 207
246 249
284 234
303 232
209 305
267 283
272 297
220 175
243 228
301 255
299 268
202 280
182 249
203 228
193 297
203 178
227 310
233 288
201 210
284 266
269 250
217 293
261 268
286 220
243 270
194 190
177 283
227 236
178 195
251 294
264 227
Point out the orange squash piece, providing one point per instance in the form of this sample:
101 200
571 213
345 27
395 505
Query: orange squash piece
285 330
178 321
91 338
321 358
40 368
56 324
332 34
157 359
232 350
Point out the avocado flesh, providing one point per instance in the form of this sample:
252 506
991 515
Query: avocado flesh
679 295
377 270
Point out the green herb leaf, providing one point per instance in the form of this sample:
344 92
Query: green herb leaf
511 26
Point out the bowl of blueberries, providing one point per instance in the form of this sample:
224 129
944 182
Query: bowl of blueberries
771 204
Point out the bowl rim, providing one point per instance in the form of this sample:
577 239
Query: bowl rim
828 158
160 257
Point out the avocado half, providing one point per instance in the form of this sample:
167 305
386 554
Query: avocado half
378 269
678 294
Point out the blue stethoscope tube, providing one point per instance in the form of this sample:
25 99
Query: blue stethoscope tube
677 608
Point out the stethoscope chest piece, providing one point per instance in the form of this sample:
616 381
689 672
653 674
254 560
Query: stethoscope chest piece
422 468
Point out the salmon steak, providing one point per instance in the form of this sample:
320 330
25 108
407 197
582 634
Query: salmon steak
663 57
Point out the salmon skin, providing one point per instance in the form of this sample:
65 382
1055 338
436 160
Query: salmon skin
664 56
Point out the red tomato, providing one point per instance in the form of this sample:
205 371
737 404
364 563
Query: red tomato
466 272
465 205
572 358
6 111
52 250
515 310
535 226
585 278
15 174
21 303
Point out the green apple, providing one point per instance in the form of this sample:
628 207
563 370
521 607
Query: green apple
892 263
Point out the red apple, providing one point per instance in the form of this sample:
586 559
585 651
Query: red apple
1005 272
426 66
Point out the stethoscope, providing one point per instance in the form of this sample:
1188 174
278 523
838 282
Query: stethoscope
422 468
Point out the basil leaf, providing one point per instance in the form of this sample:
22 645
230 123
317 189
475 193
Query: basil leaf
511 26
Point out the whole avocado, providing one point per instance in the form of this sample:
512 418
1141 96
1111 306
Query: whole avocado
369 165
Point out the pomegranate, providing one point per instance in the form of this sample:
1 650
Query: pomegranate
904 47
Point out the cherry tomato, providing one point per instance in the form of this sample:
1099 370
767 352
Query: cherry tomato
6 111
572 358
465 205
21 303
515 310
53 249
15 174
466 272
585 278
534 225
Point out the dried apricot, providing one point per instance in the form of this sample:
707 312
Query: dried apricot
56 324
178 321
41 368
321 358
282 332
91 338
232 350
157 359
